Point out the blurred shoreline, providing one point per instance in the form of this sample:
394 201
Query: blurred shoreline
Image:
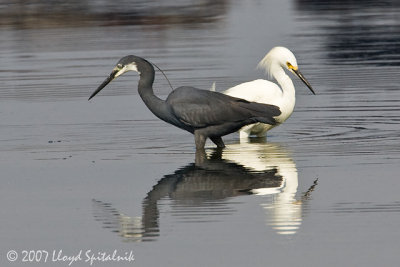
81 13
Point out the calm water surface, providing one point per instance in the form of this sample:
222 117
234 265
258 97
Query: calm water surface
107 175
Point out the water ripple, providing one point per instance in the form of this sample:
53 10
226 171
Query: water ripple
366 207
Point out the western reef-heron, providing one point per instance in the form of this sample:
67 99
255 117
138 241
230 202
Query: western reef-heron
203 113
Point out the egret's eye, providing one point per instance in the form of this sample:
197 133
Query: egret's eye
119 66
291 67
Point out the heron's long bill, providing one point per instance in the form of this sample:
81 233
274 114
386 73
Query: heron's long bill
104 84
300 75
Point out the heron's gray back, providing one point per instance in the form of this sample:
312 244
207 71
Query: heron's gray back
202 108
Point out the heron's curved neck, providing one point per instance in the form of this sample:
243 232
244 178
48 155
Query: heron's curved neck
284 81
145 87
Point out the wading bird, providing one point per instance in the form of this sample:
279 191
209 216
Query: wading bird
203 113
267 92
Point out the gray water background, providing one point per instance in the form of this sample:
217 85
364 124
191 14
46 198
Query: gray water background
108 175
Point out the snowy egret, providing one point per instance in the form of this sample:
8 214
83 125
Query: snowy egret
203 113
267 92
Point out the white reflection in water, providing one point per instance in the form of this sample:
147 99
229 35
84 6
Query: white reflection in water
199 192
282 209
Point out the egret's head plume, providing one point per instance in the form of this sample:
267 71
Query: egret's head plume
277 57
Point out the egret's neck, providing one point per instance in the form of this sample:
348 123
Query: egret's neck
284 81
288 99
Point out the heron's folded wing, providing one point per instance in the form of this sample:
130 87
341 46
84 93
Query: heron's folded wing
201 108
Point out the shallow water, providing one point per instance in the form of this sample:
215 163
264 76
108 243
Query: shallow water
107 175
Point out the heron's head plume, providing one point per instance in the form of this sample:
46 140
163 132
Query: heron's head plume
125 64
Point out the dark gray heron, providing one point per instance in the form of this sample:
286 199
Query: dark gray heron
203 113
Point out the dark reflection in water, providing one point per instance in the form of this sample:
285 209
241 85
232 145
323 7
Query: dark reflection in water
200 192
357 32
54 13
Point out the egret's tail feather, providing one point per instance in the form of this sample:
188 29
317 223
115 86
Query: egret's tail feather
212 87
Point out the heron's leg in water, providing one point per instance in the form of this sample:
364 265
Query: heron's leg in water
199 140
218 141
201 157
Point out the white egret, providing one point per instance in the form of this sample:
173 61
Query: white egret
262 91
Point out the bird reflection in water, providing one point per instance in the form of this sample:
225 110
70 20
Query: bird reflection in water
199 192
